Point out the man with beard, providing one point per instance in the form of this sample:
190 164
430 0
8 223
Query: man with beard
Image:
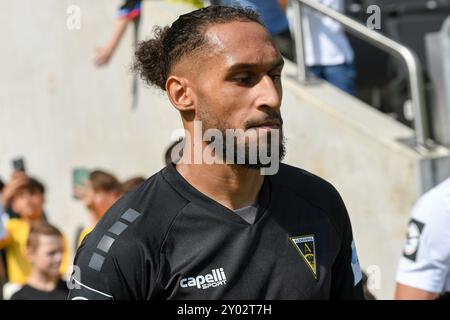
215 229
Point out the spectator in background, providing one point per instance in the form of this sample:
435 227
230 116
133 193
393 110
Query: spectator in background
2 265
103 190
2 208
273 18
127 12
17 178
132 183
328 54
2 185
424 269
26 196
45 248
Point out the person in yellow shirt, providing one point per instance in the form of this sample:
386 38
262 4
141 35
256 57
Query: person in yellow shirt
25 196
102 191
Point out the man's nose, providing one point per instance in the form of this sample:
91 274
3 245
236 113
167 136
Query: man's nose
269 93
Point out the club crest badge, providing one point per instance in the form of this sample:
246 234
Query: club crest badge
306 248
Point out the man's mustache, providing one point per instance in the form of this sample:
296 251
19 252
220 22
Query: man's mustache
272 119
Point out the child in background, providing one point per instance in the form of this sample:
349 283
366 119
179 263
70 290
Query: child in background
45 248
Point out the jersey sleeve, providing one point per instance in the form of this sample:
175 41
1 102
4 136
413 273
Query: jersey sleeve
346 271
425 263
129 10
124 273
88 281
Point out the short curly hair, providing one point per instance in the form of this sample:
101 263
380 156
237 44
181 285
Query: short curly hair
155 57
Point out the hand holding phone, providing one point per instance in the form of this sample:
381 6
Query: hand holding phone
19 164
18 180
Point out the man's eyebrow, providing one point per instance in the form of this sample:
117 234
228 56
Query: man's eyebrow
243 66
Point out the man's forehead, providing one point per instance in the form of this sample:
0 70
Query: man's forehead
242 42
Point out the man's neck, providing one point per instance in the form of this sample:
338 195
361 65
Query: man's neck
232 186
43 282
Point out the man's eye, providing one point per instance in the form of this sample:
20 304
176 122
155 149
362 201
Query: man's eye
243 79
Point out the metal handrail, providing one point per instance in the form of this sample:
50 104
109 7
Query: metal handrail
380 41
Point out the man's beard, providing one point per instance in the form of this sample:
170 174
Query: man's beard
241 149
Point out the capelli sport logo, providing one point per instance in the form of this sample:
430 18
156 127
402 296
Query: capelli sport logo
214 279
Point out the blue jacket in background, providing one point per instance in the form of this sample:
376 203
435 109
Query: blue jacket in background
270 12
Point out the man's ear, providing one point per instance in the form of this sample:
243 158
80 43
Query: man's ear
180 93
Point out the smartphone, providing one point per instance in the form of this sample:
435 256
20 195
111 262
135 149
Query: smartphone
80 178
19 164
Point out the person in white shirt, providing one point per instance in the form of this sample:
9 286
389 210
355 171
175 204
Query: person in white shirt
424 269
328 54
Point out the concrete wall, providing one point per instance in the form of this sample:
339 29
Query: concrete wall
60 112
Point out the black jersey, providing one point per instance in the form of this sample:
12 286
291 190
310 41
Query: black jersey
167 240
28 292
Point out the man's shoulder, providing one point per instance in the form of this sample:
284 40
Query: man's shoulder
122 251
155 201
140 219
317 192
305 184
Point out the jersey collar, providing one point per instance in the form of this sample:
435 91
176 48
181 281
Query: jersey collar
182 186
